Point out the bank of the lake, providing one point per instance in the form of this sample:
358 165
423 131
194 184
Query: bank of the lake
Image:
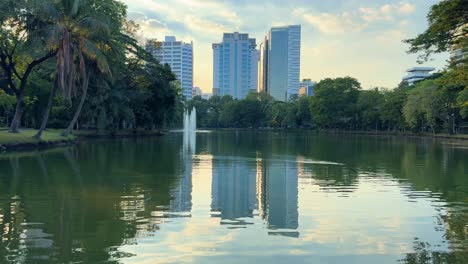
52 138
353 132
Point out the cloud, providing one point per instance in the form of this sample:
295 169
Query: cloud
387 12
192 17
406 8
334 23
353 20
202 25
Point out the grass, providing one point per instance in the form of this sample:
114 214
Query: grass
26 137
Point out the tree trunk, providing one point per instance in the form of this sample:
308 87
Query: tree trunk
78 110
45 117
16 122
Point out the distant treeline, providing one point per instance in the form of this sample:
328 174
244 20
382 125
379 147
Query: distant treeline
428 106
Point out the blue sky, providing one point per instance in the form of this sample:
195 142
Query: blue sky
358 38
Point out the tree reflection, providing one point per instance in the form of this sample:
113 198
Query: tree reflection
81 203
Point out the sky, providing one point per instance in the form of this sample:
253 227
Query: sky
357 38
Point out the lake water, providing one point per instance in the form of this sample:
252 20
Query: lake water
237 197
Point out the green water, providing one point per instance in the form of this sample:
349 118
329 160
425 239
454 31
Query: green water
237 197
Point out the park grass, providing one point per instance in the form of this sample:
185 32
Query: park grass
27 137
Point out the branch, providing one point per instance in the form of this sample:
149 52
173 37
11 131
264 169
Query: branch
12 67
33 64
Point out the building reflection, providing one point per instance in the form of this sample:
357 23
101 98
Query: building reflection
233 189
240 188
278 196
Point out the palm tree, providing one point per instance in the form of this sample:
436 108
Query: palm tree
80 33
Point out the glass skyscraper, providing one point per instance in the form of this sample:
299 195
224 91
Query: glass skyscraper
235 65
179 56
280 60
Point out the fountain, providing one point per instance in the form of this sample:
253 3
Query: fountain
190 128
190 121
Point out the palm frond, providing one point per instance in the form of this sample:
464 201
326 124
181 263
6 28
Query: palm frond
93 27
93 53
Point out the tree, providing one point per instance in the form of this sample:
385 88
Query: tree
7 103
304 117
448 28
425 105
21 49
334 102
392 109
369 106
463 103
80 31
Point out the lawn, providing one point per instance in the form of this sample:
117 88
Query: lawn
26 136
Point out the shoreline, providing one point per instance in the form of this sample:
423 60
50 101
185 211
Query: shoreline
79 136
85 135
349 132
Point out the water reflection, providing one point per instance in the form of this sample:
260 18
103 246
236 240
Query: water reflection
233 189
324 199
278 191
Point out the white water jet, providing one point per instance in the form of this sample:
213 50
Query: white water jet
190 128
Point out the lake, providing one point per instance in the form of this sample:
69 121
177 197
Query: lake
237 197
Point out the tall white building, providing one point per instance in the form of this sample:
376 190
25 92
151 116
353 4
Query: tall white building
280 62
416 74
235 65
179 56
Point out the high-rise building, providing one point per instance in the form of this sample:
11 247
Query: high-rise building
416 74
235 65
179 56
280 61
306 88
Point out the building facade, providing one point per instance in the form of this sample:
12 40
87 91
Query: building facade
306 87
416 74
280 60
179 56
235 65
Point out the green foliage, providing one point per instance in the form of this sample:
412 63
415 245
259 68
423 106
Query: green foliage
334 102
7 102
425 106
369 105
462 101
447 29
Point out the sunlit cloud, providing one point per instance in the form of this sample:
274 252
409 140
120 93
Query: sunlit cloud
334 23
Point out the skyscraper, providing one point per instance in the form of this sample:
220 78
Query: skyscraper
280 60
235 65
179 56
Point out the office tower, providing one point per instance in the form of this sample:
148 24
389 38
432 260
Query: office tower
280 60
306 88
235 65
179 56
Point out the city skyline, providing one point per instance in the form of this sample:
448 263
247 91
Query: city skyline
366 33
